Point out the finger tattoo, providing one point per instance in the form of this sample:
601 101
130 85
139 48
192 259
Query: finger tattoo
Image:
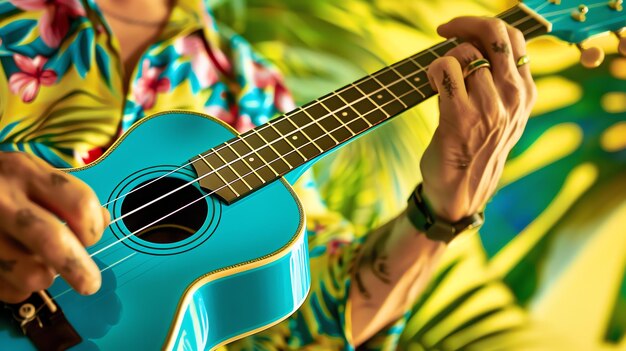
501 48
448 84
25 217
57 179
7 265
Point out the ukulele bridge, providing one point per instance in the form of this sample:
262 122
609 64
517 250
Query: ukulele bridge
43 322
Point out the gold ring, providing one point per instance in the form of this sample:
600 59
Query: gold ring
524 59
474 66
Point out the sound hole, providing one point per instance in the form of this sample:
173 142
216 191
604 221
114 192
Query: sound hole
164 221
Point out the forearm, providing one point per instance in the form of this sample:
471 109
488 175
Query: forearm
482 115
395 264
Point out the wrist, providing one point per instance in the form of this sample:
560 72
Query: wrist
425 219
445 201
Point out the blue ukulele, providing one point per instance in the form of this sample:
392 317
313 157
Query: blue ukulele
208 245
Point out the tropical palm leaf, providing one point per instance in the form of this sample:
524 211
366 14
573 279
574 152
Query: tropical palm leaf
473 304
322 45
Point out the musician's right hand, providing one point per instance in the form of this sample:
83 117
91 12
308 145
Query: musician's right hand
35 244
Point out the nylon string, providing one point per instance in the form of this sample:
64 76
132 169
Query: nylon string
252 171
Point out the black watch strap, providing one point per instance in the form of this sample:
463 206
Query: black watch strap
436 228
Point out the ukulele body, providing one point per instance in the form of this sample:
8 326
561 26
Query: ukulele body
212 273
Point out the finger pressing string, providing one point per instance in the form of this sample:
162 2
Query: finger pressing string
493 37
446 77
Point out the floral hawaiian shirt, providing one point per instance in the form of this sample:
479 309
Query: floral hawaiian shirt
62 98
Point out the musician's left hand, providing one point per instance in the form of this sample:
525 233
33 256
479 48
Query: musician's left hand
482 115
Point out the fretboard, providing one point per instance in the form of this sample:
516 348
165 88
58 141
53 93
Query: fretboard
249 161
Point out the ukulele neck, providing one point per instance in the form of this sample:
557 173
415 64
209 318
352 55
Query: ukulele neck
265 153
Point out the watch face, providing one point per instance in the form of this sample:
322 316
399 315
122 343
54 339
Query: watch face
422 217
445 231
441 231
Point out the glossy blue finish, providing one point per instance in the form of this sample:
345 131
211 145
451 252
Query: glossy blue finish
601 18
246 268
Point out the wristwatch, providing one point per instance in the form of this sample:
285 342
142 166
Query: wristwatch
436 228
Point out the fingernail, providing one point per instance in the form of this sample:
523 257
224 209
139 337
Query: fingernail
106 217
95 278
93 286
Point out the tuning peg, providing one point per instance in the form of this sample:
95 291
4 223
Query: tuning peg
616 5
591 57
621 47
580 14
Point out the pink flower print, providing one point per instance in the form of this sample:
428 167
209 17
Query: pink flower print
244 124
55 21
218 57
220 60
283 99
220 113
266 77
263 77
32 76
334 246
149 84
193 46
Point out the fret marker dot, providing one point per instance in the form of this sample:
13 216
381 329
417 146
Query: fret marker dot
344 114
251 159
417 79
295 137
379 96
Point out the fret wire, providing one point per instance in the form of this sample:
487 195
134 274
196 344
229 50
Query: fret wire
330 113
319 101
373 110
410 81
271 147
370 99
280 157
233 169
203 176
392 101
417 64
352 108
321 126
434 52
425 84
407 81
389 91
420 70
502 16
257 154
220 176
533 30
340 121
244 162
303 133
288 141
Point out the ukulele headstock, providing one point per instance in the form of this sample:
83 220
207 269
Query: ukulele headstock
575 21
